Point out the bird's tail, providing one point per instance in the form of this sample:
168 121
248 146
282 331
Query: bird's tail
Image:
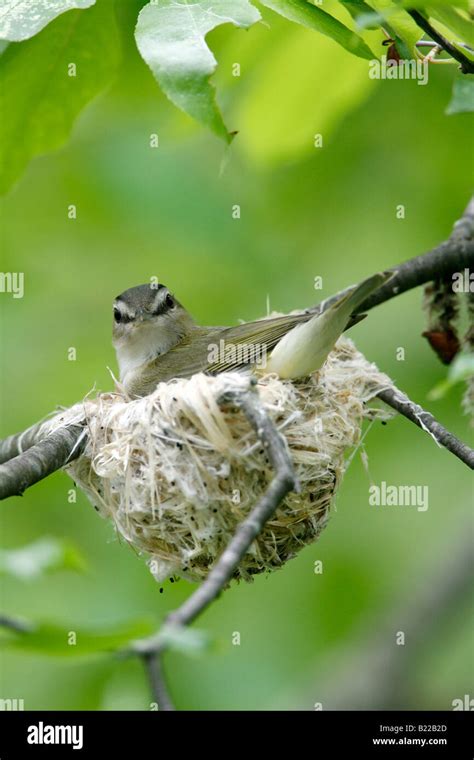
305 348
357 294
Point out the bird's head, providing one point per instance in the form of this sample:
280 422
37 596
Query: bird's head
147 321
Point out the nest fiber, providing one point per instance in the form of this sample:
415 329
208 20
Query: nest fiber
177 473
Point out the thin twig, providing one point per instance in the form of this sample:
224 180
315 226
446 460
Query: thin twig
154 669
467 66
431 44
424 420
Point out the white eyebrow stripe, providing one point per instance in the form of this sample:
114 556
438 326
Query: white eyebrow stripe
123 309
159 299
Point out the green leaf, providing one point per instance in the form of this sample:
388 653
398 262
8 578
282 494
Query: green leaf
58 641
39 99
462 98
42 556
170 36
459 371
302 12
456 21
22 19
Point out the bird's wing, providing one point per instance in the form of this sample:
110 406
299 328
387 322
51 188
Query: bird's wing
259 337
183 362
253 339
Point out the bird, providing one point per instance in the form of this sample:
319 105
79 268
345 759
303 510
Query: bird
156 339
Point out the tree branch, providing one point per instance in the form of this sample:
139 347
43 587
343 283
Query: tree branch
41 459
467 66
19 442
424 420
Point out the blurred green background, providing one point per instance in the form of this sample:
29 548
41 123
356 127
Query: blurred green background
305 211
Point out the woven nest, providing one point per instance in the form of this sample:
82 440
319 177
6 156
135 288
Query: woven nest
177 473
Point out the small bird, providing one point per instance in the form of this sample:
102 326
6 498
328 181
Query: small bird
156 339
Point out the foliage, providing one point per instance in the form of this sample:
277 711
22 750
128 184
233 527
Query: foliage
42 94
22 19
171 37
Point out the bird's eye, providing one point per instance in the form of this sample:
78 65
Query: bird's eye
169 301
117 315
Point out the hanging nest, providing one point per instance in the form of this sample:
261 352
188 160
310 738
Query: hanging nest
176 472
